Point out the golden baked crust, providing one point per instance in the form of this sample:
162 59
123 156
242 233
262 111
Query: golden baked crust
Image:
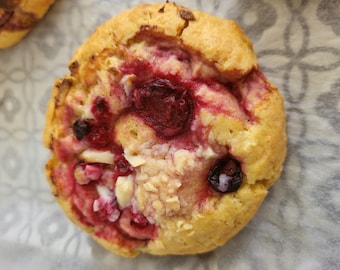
236 112
231 53
17 18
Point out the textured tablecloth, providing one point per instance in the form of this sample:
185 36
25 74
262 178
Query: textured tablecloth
297 227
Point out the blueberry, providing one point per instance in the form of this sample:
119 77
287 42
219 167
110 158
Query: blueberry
226 176
81 128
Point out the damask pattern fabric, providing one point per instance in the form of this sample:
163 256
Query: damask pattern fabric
298 226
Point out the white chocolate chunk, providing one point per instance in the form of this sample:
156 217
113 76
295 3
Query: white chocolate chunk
148 186
172 204
158 205
124 190
105 193
182 226
114 216
105 157
182 159
105 196
87 112
209 153
112 61
105 202
135 161
126 82
96 207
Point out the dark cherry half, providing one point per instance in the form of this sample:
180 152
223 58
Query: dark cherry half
226 176
164 105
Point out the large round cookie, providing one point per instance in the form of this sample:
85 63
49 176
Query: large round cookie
17 18
166 136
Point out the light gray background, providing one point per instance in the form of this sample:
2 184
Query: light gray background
298 226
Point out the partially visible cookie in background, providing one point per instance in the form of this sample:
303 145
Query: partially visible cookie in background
18 17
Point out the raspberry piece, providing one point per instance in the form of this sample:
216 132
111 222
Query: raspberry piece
122 166
93 171
165 106
106 206
137 219
226 176
81 128
141 68
99 137
85 173
100 108
136 225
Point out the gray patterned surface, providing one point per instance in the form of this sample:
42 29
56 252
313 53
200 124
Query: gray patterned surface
298 226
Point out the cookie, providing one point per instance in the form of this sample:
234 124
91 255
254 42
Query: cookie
18 17
165 136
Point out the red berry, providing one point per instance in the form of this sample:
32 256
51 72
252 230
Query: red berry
99 137
100 108
107 210
135 225
122 166
165 106
137 219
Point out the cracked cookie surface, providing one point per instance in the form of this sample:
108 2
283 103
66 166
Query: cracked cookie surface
166 136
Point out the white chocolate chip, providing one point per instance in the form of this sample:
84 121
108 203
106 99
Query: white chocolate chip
135 161
105 203
172 204
105 157
114 215
157 205
105 193
124 190
87 114
112 61
182 160
96 205
126 82
148 186
182 226
209 153
173 199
